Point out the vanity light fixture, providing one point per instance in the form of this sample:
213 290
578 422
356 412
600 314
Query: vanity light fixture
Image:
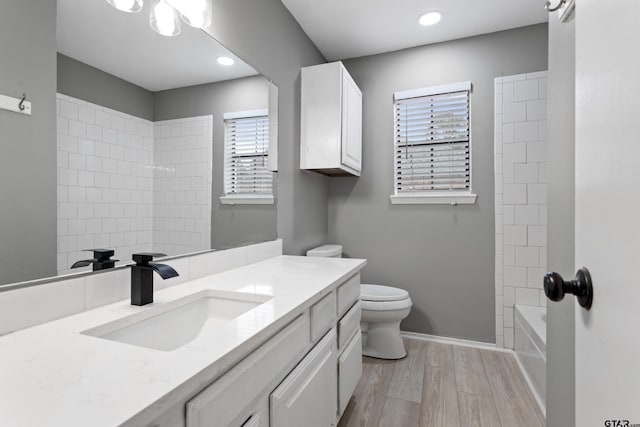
225 60
163 18
196 13
126 5
430 18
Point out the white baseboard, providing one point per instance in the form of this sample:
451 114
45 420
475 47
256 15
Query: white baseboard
454 341
483 346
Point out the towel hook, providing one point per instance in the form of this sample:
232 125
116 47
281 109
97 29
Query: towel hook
548 7
21 104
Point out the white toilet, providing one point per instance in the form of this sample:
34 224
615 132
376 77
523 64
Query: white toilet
383 307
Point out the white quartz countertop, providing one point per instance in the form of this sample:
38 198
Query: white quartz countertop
53 375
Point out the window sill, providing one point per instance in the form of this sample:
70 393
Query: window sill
247 200
434 199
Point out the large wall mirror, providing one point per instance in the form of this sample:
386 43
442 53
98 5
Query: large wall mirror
160 147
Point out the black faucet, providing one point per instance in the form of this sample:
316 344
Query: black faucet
101 259
142 276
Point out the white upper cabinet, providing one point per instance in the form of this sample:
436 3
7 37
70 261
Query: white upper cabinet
331 121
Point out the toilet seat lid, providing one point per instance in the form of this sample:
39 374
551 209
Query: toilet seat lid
382 293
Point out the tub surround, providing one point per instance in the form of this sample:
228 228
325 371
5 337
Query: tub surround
520 197
73 379
531 348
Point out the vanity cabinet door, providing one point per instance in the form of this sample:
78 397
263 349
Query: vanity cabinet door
349 370
308 395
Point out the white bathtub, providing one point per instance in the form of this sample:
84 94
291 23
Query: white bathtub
531 347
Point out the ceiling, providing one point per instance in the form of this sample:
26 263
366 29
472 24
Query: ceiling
124 45
351 28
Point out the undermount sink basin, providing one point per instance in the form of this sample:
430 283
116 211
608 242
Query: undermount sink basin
176 323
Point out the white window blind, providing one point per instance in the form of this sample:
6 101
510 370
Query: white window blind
432 140
246 154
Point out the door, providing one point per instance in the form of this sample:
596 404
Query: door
351 123
607 211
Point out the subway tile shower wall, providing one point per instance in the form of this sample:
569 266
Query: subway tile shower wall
182 185
112 172
520 196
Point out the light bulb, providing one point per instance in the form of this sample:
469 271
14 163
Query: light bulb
430 18
224 60
163 19
196 13
127 5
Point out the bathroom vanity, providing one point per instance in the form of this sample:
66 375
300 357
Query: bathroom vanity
274 343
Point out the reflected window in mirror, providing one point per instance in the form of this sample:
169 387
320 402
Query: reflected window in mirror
247 178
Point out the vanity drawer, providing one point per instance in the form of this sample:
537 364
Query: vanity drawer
349 323
323 316
348 293
226 399
349 370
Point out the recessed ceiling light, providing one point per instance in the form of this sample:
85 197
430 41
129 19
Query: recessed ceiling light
224 60
430 18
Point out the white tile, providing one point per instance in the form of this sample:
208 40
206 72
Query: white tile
542 130
543 176
499 243
543 300
499 305
515 235
509 256
508 216
77 129
536 152
514 112
535 276
508 338
526 131
527 256
526 90
515 276
526 214
68 110
543 257
508 174
537 109
537 235
537 194
34 305
514 78
515 194
87 114
543 214
499 264
499 341
507 133
509 296
514 153
526 173
507 93
527 296
508 317
217 261
542 88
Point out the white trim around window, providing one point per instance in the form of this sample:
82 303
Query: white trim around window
247 200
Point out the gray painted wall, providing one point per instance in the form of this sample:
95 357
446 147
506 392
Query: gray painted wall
266 36
560 255
230 225
85 82
27 164
443 255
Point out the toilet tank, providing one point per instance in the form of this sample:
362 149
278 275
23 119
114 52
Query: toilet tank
326 251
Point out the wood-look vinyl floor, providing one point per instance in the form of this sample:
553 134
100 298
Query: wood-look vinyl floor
442 385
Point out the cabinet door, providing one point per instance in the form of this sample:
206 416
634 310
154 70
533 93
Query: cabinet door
308 395
351 123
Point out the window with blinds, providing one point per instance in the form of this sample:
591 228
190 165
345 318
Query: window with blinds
432 140
246 145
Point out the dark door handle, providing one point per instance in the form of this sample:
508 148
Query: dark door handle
555 287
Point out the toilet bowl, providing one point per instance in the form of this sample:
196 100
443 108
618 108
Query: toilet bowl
383 308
